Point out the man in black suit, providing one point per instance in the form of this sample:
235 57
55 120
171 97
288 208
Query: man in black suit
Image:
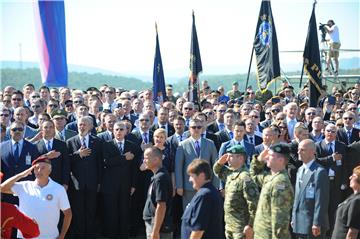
144 135
218 124
178 136
163 122
331 154
250 135
121 160
348 134
226 134
81 111
107 135
85 151
60 171
59 119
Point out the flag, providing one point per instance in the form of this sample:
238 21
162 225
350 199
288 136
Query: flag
266 47
195 65
159 92
50 29
312 64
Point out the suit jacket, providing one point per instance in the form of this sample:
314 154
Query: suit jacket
173 143
341 135
213 127
294 163
105 136
60 166
119 174
9 167
87 170
258 139
170 129
186 153
139 138
208 135
249 148
353 156
311 199
68 134
222 137
74 127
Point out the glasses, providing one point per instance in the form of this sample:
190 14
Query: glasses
196 127
340 125
354 108
311 113
282 127
331 131
35 96
348 118
120 129
146 120
4 115
78 102
109 92
340 112
221 111
254 116
268 113
275 110
35 106
53 106
188 108
16 99
17 129
209 113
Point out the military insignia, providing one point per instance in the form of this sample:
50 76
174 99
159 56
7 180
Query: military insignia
280 187
265 31
49 197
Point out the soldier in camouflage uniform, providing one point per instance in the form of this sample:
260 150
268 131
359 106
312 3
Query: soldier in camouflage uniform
234 93
272 218
241 193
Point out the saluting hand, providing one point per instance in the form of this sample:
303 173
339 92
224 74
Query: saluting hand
263 155
223 159
26 172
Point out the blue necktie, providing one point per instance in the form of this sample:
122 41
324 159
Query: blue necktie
145 138
120 145
349 136
16 152
197 148
221 126
251 139
48 146
231 135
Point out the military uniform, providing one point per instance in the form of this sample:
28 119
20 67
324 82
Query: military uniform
234 94
276 199
241 198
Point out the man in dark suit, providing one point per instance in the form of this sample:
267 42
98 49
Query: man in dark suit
126 105
331 154
353 156
85 151
59 119
250 135
218 124
178 136
310 211
81 111
227 133
144 135
268 139
60 166
17 155
348 134
163 122
121 160
107 135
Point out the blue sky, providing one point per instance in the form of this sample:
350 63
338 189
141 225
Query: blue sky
119 35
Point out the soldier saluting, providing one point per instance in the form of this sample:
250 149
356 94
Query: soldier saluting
276 198
241 193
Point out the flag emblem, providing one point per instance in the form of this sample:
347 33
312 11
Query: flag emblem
265 32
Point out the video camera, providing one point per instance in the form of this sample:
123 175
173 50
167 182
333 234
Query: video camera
323 31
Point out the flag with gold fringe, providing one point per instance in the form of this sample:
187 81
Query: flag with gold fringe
159 93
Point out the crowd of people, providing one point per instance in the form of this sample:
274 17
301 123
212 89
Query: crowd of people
110 162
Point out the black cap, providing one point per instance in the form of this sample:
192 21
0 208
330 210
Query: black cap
281 148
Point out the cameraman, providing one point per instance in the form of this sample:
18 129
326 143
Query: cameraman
333 39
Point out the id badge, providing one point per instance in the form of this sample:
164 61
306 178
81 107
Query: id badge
28 159
310 192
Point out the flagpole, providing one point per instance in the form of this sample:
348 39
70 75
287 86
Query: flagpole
302 73
248 74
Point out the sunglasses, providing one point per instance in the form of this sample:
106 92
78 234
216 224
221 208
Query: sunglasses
340 112
16 99
275 110
340 125
78 102
254 116
35 106
268 113
311 113
354 108
221 111
4 115
348 118
146 120
331 131
35 96
196 127
53 106
17 129
188 108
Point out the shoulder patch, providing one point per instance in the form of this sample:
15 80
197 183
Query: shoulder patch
280 187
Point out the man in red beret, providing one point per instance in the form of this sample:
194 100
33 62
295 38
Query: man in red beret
41 199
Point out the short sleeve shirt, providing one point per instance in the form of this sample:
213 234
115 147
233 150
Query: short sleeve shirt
204 213
43 204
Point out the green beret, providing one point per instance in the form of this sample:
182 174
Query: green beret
236 149
280 148
58 114
235 83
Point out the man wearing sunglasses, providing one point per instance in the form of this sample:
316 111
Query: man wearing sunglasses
348 134
17 155
193 147
331 154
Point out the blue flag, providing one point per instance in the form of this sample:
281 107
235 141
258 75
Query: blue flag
195 65
159 93
50 23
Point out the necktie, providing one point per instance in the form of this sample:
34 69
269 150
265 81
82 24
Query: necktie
238 143
48 146
187 122
61 135
231 135
145 138
197 148
302 175
163 126
203 135
349 136
221 126
120 145
180 138
330 150
16 152
251 139
83 142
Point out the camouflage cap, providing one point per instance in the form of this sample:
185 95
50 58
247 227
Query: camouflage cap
58 114
236 149
281 148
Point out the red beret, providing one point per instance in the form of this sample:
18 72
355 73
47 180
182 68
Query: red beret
41 159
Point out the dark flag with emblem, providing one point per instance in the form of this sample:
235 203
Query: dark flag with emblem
266 47
195 65
312 64
159 92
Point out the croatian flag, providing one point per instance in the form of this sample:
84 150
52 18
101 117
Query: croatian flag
50 30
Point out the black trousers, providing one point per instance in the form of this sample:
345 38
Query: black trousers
116 214
83 206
